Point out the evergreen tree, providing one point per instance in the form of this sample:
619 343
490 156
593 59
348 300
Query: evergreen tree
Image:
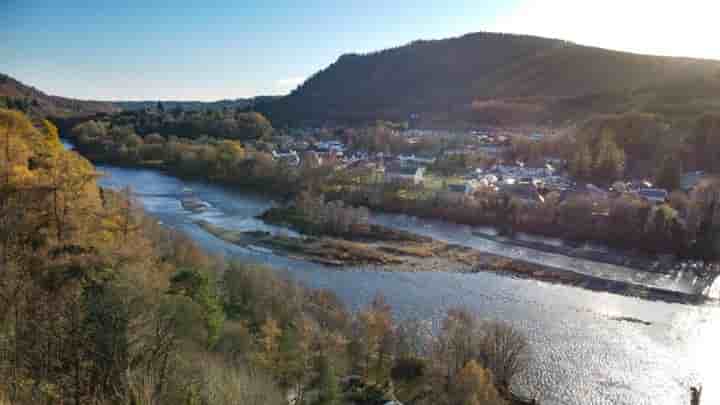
328 385
609 162
670 173
581 163
200 287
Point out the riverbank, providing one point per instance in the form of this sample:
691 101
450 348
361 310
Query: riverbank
578 250
286 184
401 251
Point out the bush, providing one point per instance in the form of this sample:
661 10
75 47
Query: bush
408 369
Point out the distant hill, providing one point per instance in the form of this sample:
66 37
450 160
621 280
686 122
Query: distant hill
240 103
17 95
498 79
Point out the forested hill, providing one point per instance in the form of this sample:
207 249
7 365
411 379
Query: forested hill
19 96
498 78
239 103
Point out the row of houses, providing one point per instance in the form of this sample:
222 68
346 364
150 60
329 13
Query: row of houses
547 177
297 151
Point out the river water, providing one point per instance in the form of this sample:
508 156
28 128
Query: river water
582 353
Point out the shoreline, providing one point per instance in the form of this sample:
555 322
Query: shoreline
483 262
628 259
633 259
434 256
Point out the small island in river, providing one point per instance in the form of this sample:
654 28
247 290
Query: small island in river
382 248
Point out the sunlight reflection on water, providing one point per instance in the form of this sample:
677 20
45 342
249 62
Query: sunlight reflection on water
703 347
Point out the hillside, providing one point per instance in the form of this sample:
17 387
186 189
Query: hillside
498 79
240 103
19 96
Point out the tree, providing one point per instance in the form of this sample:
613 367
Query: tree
705 215
576 216
609 163
229 156
581 162
704 143
376 335
670 173
504 351
75 196
474 386
253 125
457 343
200 287
328 385
106 325
15 134
269 341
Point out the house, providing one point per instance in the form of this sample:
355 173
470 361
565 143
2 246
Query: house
400 173
467 187
490 178
290 157
415 161
524 192
635 185
557 183
653 195
330 146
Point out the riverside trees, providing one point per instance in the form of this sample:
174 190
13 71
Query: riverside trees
624 221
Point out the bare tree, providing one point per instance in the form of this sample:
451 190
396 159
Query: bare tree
505 351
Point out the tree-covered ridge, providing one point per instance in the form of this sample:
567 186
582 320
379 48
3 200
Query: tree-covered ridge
101 304
226 123
498 79
16 95
240 103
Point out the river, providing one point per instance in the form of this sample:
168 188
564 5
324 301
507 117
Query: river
582 354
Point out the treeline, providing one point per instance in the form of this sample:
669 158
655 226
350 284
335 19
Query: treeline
100 304
322 354
385 137
311 214
687 225
226 161
632 145
226 123
17 103
240 103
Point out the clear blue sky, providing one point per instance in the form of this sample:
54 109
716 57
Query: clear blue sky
208 50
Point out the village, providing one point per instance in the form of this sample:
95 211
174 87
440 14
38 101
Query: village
525 182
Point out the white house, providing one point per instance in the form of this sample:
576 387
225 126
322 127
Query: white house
412 174
291 157
415 161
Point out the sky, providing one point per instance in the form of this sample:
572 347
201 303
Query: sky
212 49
